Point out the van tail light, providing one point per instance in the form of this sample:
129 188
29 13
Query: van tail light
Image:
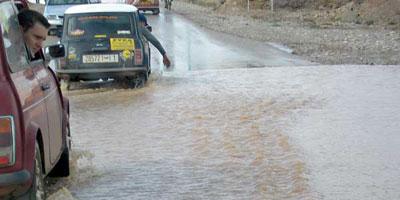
138 57
7 141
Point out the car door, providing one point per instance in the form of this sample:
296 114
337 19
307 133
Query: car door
52 99
23 74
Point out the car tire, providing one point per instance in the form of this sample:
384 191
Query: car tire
156 11
37 190
62 167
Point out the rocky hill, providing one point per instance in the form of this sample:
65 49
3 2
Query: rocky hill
378 12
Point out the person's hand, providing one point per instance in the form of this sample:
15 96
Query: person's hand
166 61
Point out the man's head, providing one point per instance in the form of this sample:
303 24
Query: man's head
35 27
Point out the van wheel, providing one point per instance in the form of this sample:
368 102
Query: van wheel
139 80
37 191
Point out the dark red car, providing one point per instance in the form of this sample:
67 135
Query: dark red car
34 116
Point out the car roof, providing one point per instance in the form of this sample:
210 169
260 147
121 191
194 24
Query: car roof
96 8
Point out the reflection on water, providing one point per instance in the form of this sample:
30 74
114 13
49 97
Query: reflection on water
193 48
203 135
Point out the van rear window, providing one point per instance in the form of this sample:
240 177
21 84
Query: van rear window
99 26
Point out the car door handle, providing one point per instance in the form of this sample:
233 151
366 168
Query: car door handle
45 86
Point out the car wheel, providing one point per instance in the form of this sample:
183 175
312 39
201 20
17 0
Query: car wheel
156 11
37 191
62 167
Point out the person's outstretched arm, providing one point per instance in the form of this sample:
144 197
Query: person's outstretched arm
154 41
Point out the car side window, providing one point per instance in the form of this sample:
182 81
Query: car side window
12 37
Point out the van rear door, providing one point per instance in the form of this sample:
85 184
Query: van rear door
100 40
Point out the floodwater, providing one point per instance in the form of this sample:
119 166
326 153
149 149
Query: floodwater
208 130
322 132
194 48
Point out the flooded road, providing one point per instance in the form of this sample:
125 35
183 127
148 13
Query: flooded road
323 132
216 127
201 135
193 48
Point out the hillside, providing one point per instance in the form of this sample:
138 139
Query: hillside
369 12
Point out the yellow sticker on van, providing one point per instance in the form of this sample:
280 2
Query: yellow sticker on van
122 44
126 54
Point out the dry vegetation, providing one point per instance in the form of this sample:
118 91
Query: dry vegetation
369 12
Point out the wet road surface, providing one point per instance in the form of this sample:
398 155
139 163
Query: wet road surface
194 48
215 128
323 132
205 135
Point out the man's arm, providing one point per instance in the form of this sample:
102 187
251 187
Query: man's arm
153 40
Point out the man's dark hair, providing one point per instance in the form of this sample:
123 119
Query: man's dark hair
27 18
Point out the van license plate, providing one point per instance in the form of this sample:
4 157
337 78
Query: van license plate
104 58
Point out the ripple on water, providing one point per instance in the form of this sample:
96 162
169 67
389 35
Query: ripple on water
192 139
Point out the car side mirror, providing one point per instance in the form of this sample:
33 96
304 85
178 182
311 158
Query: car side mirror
54 51
55 32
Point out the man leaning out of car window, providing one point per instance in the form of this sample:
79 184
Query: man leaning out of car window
34 27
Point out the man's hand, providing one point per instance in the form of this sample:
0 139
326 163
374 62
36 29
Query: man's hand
166 61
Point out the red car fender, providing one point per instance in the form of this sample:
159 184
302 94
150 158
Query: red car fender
32 133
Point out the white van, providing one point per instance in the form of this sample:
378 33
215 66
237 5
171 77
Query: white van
54 12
